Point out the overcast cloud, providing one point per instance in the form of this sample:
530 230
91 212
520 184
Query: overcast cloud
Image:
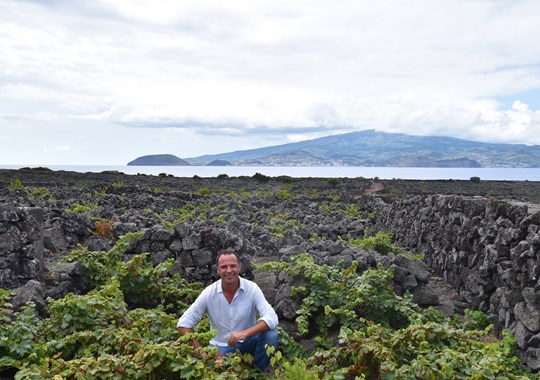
103 82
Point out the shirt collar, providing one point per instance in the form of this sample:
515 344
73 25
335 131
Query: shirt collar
240 279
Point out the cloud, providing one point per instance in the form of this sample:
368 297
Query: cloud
281 70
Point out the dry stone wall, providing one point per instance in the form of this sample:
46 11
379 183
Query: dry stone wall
487 249
21 245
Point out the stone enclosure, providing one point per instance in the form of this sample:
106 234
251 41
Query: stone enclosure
486 249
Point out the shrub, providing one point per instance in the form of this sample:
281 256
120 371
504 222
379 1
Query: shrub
82 207
381 242
103 228
203 191
40 192
475 179
284 193
15 184
261 178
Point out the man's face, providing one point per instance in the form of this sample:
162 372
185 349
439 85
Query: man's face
228 269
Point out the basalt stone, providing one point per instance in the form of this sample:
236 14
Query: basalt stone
10 240
532 358
7 278
420 270
32 291
191 242
522 335
98 244
333 260
202 257
159 233
409 282
399 273
401 260
160 256
53 239
425 295
529 315
529 295
119 229
9 214
176 245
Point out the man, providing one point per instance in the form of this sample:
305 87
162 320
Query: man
232 303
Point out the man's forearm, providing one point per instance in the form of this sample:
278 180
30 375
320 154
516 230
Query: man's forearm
257 328
185 330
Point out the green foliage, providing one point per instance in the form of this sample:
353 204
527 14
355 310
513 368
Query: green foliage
95 336
335 295
331 208
100 335
279 225
168 225
381 242
284 193
353 212
15 184
82 207
17 332
475 179
105 334
287 370
383 336
100 192
40 192
140 281
125 328
428 351
222 176
203 191
190 212
473 319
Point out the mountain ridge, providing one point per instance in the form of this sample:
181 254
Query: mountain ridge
374 148
383 149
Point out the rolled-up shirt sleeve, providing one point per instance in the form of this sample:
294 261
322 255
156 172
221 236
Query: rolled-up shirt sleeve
265 310
195 312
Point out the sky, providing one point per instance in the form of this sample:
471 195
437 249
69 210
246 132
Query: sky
102 82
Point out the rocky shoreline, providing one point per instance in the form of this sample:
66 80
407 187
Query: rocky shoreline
44 215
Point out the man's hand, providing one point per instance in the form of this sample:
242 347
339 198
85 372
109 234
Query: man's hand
235 337
184 330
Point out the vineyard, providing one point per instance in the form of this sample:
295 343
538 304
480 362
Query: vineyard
124 328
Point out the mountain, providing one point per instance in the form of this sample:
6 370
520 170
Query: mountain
158 160
373 148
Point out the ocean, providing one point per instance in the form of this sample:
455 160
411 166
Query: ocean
509 174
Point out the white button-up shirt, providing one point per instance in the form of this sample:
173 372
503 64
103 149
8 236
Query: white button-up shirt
227 317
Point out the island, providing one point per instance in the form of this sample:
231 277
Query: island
158 160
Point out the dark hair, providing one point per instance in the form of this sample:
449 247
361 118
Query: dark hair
227 253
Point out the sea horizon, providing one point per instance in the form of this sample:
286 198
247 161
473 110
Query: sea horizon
412 173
